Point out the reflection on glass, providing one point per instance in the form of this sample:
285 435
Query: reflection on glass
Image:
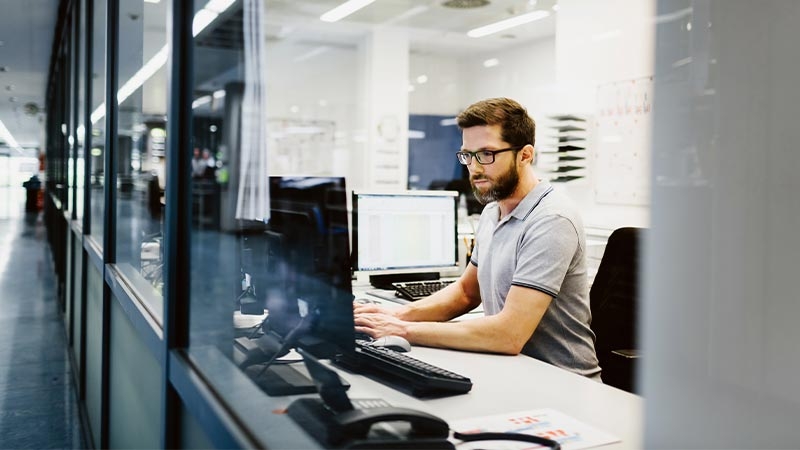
339 106
80 71
97 147
140 147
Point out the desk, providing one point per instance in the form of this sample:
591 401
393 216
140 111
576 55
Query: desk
501 384
505 384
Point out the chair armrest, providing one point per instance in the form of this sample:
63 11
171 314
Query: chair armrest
627 353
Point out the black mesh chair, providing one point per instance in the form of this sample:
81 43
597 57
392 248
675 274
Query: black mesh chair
614 303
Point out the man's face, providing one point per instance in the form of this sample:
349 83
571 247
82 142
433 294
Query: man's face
495 181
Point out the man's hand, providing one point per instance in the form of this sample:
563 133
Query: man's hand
376 322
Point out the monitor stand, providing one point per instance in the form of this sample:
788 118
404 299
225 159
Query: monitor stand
385 281
281 379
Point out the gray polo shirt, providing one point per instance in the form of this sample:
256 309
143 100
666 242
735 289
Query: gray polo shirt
541 245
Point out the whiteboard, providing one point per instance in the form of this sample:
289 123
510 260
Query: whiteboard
623 127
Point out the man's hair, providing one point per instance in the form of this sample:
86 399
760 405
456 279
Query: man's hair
516 126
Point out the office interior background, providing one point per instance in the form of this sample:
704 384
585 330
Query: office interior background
687 110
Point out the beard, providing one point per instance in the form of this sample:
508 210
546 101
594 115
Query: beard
501 188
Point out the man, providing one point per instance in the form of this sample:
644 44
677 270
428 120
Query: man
528 267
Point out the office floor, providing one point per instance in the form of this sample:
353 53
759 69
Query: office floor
38 406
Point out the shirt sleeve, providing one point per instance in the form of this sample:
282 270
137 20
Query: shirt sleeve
545 253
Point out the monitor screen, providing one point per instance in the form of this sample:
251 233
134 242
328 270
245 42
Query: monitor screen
405 231
308 275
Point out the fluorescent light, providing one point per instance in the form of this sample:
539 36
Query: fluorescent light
6 136
422 79
200 101
152 1
311 53
219 6
344 10
555 7
448 122
202 19
491 62
407 15
137 80
507 23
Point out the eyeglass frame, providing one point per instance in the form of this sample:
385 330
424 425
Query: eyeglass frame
471 155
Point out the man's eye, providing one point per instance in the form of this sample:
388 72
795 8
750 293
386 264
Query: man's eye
485 154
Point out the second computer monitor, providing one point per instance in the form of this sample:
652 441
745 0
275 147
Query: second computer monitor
405 231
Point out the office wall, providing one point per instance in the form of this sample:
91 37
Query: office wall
440 94
525 72
597 43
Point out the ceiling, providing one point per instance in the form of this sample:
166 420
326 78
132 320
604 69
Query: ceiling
26 33
432 26
27 26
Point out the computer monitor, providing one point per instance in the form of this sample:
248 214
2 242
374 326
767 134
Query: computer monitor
404 235
308 276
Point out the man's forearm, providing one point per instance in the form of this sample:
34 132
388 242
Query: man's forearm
444 305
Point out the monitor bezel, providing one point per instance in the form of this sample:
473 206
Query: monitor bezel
443 269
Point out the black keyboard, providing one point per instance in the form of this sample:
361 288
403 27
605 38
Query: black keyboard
415 290
403 372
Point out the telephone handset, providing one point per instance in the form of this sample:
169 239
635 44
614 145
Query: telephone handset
354 428
334 421
358 422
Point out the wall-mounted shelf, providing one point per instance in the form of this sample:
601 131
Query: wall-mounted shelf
562 156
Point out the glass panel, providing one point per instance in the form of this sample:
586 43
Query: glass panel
370 98
141 144
80 119
98 107
71 118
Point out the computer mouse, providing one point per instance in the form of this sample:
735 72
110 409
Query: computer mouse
395 343
363 301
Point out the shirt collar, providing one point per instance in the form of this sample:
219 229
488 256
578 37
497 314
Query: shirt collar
532 199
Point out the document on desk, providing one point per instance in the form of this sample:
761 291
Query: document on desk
571 433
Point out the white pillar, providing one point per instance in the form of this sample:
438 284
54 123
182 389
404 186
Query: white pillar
385 108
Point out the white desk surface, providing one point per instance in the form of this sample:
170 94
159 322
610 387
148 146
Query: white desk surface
506 384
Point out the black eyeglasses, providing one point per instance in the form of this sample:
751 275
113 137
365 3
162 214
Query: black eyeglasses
484 157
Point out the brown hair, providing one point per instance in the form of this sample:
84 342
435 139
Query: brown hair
517 127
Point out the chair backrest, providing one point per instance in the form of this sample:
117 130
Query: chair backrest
614 292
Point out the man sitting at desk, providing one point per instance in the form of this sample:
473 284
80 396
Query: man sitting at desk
528 266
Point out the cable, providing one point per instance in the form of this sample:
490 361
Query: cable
472 437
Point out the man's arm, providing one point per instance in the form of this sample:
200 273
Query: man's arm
456 299
506 332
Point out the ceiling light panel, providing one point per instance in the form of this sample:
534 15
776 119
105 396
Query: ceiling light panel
511 22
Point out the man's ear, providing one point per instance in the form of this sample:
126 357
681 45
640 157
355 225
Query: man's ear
528 154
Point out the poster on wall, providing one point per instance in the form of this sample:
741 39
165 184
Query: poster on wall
623 130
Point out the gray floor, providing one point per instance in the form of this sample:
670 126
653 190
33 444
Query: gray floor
38 407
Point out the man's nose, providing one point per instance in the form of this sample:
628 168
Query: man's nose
474 166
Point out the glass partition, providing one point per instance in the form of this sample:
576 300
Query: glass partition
140 147
98 124
369 99
80 119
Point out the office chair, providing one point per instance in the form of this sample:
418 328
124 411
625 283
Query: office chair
614 305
